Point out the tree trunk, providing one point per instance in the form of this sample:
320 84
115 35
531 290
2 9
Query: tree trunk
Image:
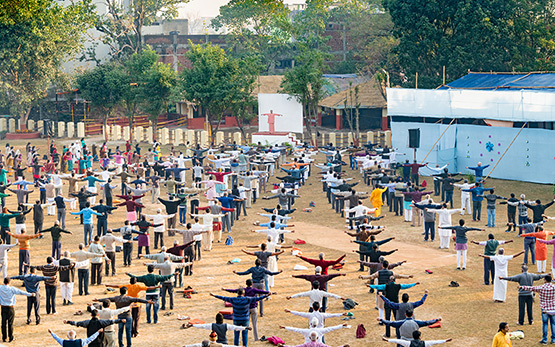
308 119
105 128
23 119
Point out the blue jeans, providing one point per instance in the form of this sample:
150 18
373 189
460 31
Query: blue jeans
244 333
547 318
56 249
226 221
87 233
155 307
101 227
491 217
182 214
127 326
529 245
521 220
83 275
449 197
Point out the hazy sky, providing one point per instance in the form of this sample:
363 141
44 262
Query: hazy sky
210 8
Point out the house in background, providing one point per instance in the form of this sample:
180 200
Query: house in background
371 101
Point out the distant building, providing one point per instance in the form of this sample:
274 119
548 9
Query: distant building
371 101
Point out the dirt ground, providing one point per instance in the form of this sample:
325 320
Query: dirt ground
469 314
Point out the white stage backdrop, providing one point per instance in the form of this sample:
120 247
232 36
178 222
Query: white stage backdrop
291 111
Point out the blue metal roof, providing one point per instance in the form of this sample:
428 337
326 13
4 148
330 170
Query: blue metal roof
505 81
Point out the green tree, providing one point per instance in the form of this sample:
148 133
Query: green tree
215 82
495 35
306 83
37 37
103 87
122 26
134 75
156 91
260 27
368 33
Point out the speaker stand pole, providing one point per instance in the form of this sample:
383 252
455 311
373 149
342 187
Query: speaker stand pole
415 154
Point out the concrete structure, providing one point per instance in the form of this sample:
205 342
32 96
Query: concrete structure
61 129
138 133
191 137
237 138
70 130
31 124
126 133
220 138
164 136
178 137
11 125
204 139
80 129
332 139
149 135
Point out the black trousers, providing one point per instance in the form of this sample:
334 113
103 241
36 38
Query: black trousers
127 250
8 315
38 227
33 302
158 237
167 288
112 257
96 276
50 299
525 301
388 312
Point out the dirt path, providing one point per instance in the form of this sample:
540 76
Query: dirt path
417 256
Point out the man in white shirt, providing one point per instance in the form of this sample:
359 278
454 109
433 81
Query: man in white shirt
109 240
315 295
320 331
159 218
465 196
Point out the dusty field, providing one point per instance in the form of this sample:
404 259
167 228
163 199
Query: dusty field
469 315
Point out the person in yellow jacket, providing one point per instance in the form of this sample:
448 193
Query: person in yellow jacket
502 338
376 198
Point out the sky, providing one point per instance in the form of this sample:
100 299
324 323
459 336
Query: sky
210 8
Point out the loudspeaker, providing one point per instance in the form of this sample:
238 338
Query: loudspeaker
414 138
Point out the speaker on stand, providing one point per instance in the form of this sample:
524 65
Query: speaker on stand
414 140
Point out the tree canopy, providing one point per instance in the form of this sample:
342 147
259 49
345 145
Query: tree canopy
37 36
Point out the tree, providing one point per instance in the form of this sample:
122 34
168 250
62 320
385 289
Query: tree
215 82
122 26
242 101
260 27
37 36
496 35
135 70
103 88
306 83
156 91
368 34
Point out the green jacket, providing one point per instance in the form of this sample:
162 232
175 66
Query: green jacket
151 280
56 232
5 219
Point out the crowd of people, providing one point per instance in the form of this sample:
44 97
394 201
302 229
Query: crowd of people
95 182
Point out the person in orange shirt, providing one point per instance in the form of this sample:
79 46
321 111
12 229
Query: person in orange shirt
376 198
541 248
24 249
134 288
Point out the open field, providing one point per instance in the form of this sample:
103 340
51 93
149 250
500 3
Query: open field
469 314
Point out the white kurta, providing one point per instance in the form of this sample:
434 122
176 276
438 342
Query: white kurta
444 219
272 261
499 286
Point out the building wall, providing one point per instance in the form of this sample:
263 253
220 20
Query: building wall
530 158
